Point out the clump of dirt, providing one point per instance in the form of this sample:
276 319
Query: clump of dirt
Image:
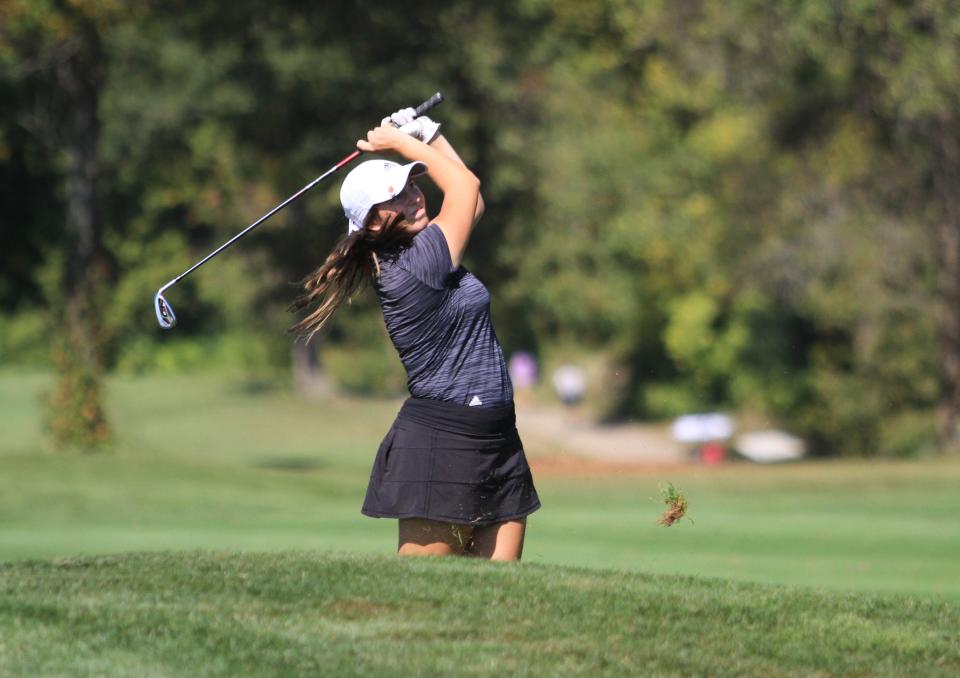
676 505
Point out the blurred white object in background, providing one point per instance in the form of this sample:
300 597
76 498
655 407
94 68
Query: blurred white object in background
702 428
770 446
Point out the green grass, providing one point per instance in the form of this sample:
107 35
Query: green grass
214 462
295 613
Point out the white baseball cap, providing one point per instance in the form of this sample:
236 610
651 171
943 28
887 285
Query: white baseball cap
371 183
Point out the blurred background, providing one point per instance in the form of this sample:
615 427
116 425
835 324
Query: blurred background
740 207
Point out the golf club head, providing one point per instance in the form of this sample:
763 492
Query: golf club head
165 315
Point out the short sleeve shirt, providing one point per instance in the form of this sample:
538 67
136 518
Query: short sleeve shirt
438 317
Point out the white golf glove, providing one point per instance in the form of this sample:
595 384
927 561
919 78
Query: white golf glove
423 128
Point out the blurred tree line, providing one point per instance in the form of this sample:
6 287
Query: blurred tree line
742 205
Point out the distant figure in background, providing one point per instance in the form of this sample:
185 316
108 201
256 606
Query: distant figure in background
523 374
570 384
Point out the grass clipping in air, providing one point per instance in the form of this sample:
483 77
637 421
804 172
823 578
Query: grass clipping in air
676 505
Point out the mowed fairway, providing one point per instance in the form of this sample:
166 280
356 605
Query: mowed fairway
220 463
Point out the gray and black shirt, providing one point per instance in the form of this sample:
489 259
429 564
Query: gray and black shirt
438 317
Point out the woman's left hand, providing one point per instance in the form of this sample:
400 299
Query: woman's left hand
383 138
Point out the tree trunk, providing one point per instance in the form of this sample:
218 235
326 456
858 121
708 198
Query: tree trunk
309 378
78 418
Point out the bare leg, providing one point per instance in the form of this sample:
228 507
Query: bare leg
422 537
503 541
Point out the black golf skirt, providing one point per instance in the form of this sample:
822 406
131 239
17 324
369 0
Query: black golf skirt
452 463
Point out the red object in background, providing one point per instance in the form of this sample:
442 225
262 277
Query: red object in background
713 453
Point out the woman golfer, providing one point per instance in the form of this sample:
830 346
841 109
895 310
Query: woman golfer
452 467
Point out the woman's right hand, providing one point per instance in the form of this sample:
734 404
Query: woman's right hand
384 138
420 128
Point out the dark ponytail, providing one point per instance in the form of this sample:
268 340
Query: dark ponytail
351 261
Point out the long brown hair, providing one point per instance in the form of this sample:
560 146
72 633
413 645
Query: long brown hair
351 261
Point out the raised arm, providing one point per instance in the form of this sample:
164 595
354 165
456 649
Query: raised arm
460 187
440 143
426 130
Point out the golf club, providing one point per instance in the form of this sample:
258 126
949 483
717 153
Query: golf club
165 314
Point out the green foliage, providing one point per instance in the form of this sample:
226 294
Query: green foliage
226 352
365 371
908 435
24 338
740 205
728 214
707 353
662 400
357 352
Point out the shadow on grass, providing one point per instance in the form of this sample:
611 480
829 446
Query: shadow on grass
259 385
297 464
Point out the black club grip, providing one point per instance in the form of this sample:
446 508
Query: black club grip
428 104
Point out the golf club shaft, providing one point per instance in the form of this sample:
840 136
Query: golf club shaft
420 110
265 217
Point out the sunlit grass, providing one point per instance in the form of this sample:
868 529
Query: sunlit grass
218 462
